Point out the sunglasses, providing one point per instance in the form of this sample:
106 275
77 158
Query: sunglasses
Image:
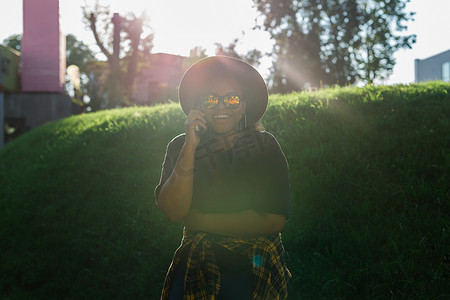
229 101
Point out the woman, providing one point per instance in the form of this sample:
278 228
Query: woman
228 182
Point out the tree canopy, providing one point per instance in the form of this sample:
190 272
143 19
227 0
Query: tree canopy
14 41
77 52
326 42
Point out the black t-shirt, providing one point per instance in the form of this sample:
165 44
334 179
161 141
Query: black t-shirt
253 174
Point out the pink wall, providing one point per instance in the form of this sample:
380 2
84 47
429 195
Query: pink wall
43 47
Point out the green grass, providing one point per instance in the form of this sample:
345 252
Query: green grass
370 214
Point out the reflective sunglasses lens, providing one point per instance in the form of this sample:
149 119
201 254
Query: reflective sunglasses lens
211 101
232 101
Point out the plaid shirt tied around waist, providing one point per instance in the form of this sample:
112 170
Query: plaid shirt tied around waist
202 278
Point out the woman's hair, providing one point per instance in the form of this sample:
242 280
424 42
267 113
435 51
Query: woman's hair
255 126
258 126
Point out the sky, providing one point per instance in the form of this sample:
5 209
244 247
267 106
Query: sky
180 25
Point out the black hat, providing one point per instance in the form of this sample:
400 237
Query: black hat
254 89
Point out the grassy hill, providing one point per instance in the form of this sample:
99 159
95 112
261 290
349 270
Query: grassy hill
370 184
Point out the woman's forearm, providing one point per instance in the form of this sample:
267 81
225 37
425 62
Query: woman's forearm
176 194
246 223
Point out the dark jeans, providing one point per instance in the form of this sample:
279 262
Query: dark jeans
234 286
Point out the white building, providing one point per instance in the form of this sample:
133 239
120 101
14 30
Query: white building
436 67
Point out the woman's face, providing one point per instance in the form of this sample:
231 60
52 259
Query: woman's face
220 119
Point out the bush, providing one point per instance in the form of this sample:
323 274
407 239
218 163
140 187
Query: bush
369 183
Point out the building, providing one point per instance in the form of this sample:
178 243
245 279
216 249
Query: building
158 81
38 97
43 47
436 67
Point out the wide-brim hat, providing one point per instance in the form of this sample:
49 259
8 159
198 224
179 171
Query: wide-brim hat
194 81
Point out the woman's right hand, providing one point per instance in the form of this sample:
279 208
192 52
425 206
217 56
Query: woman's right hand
194 118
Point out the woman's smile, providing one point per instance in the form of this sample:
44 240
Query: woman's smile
221 117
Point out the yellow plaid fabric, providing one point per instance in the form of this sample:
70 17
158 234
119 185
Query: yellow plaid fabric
202 278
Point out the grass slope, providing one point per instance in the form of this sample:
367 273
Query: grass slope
370 198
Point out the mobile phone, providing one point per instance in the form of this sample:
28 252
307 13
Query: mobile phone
199 130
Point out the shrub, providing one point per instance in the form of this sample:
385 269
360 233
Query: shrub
369 183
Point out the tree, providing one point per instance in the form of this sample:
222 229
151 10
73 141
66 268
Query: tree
378 43
252 57
229 50
78 53
197 52
120 40
14 41
332 42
